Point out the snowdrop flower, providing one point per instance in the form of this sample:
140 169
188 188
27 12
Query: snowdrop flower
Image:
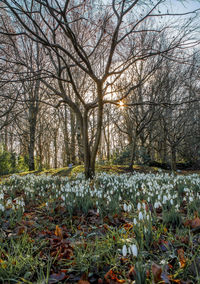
129 208
125 207
124 250
140 216
2 208
191 199
134 221
164 199
139 207
157 205
134 250
171 201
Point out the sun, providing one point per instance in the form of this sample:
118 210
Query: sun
121 104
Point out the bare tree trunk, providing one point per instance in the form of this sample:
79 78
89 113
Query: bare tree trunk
73 133
6 138
89 172
31 148
133 153
80 142
173 158
66 141
98 131
55 148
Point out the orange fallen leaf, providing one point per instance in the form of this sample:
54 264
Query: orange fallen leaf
58 232
111 275
83 282
181 257
128 226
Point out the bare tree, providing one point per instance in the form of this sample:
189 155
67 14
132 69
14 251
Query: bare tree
97 41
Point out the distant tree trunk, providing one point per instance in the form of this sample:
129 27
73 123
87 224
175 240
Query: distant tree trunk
47 155
31 147
80 142
173 158
32 130
55 148
133 153
6 138
11 142
66 140
107 137
73 133
40 152
33 113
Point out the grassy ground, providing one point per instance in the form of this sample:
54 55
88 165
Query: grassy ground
118 169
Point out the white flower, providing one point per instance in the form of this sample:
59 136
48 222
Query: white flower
156 205
135 221
125 207
2 208
124 250
164 199
134 250
138 206
129 208
191 199
140 216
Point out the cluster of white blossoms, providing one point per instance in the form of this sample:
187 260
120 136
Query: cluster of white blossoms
107 192
132 250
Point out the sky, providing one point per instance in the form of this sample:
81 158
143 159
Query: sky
185 6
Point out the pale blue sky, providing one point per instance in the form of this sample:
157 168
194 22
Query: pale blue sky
183 6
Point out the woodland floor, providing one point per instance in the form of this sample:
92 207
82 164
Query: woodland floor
49 245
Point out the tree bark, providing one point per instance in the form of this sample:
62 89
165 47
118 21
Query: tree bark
173 158
133 150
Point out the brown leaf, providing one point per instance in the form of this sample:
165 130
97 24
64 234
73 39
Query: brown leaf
195 223
181 257
56 277
110 275
83 282
58 232
156 271
21 230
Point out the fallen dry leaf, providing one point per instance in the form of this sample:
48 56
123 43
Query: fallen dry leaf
110 276
56 277
195 223
58 232
156 271
181 257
